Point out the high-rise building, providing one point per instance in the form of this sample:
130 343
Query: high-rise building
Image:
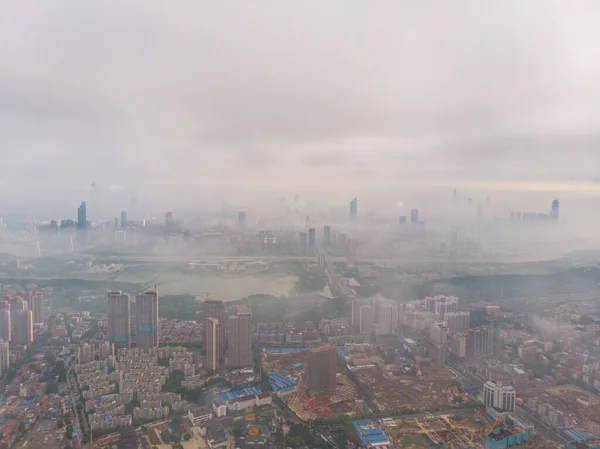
327 235
123 219
321 370
35 303
353 209
4 356
365 320
242 218
554 212
438 333
311 238
213 343
458 345
479 342
119 319
402 220
303 241
23 327
146 320
82 216
5 321
17 304
414 217
168 220
85 353
213 308
239 341
457 321
498 396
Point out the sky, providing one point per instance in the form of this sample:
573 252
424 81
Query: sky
183 102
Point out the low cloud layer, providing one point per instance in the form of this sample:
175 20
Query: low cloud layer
160 99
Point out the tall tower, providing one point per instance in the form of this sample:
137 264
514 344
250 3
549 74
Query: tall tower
213 344
321 370
146 320
82 216
123 219
119 319
239 343
213 308
23 327
4 356
35 303
326 235
353 209
5 321
554 212
414 217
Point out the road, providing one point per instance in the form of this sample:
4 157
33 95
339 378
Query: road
335 281
542 428
72 385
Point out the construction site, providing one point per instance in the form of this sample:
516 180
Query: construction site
461 430
426 387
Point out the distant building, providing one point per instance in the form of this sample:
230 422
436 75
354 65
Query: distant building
321 370
239 343
414 217
303 241
123 219
479 342
17 304
327 235
438 333
23 327
168 220
458 345
213 308
353 209
311 238
82 216
500 397
146 320
402 220
119 319
5 321
242 218
365 320
213 344
4 356
35 303
457 321
554 211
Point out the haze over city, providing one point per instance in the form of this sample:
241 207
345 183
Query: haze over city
327 225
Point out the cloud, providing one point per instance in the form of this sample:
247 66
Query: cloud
166 100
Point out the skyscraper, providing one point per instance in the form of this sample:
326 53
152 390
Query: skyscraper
213 308
123 219
17 304
168 220
321 370
353 209
213 344
554 212
242 218
119 319
327 235
311 238
414 217
35 303
4 356
82 216
23 327
146 320
239 341
5 321
365 320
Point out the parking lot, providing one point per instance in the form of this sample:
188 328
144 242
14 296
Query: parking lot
42 435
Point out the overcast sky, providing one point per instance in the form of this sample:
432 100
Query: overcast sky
156 99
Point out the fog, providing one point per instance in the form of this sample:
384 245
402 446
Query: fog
169 106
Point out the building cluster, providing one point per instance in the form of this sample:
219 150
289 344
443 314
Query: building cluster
146 323
546 412
18 316
285 333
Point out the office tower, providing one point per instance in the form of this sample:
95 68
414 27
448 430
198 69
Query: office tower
353 209
168 220
414 217
213 343
554 212
119 319
4 356
23 327
365 320
498 396
239 341
303 241
5 321
123 219
213 308
311 238
457 321
35 303
327 235
321 370
242 218
82 216
146 320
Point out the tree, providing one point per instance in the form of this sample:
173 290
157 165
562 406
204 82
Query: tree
50 358
69 431
60 424
51 388
22 429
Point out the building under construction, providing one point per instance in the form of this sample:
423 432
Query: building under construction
321 370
